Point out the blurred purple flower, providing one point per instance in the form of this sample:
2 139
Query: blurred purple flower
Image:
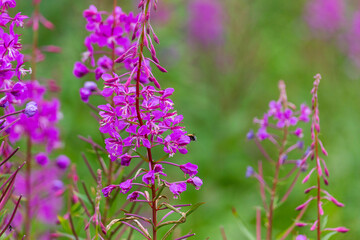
324 16
206 22
62 162
42 159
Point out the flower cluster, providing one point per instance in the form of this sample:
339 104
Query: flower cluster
110 33
206 22
159 125
277 124
325 16
11 64
139 115
280 116
42 127
320 169
41 186
328 19
46 189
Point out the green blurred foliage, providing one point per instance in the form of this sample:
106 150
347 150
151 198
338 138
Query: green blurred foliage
219 90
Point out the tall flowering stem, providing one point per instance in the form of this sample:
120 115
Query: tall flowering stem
282 117
138 112
315 128
15 94
37 125
137 117
320 168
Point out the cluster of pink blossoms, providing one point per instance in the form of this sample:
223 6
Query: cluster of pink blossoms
136 115
44 201
283 117
11 65
41 128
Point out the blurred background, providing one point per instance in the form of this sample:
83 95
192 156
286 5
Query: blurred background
224 59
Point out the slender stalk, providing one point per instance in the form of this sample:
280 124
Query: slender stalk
283 99
12 216
138 113
29 143
318 197
110 169
12 113
290 188
222 230
299 216
258 223
28 190
273 189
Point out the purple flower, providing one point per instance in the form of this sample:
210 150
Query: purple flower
338 229
262 134
300 144
206 21
197 182
125 186
158 168
31 109
133 196
189 168
107 190
299 132
85 94
18 89
114 147
57 185
42 159
301 237
149 177
80 70
249 172
325 16
177 188
90 85
250 134
176 141
126 158
305 113
62 161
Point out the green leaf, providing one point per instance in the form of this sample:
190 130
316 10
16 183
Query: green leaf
242 226
82 197
329 235
65 224
75 208
182 219
324 222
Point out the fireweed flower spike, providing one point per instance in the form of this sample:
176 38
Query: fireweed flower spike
279 126
320 168
12 92
138 116
37 123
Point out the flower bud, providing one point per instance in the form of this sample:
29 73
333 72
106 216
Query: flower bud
30 109
62 162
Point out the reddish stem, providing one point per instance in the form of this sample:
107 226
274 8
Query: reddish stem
28 190
138 113
258 224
